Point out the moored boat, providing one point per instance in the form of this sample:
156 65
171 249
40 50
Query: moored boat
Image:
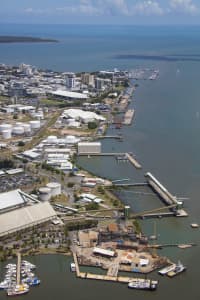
73 267
143 284
167 269
16 290
178 269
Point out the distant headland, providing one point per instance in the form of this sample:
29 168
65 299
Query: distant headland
25 39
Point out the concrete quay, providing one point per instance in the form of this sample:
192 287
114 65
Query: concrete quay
128 117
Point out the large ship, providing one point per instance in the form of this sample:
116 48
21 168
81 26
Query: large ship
143 284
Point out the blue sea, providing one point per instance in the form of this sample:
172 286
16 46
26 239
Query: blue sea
93 47
165 136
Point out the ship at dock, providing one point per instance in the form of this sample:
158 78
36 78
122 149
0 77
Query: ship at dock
179 268
143 284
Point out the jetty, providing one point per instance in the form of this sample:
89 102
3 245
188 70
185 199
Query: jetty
119 156
165 195
87 275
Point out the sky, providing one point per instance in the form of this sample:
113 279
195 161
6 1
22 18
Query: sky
100 11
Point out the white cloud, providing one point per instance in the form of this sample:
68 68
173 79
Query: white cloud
120 8
147 8
184 6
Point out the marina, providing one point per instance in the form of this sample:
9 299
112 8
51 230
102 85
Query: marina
19 278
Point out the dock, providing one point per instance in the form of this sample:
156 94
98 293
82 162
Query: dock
128 117
18 267
119 156
133 161
86 275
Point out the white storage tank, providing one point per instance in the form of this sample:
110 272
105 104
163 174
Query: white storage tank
55 188
35 124
27 127
5 126
18 130
18 124
45 194
6 134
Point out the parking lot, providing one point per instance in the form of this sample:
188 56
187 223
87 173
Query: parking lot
11 182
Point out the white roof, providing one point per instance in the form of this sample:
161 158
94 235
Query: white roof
79 113
89 196
25 217
10 199
103 251
68 94
31 154
14 171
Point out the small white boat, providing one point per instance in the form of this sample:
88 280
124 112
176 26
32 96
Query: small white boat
73 267
194 225
178 269
167 269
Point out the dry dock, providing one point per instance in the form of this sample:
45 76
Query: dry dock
128 117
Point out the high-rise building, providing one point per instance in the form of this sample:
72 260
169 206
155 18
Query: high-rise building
87 79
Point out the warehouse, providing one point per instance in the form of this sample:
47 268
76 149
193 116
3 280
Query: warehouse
69 95
26 217
13 199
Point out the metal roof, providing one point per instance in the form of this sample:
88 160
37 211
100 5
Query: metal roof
25 217
68 94
12 198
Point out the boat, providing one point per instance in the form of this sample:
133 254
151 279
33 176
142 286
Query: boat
178 269
73 267
16 290
4 285
143 284
194 225
167 269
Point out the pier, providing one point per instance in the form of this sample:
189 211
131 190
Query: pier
18 267
165 195
86 275
119 156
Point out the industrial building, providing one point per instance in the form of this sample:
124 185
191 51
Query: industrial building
89 148
19 211
66 95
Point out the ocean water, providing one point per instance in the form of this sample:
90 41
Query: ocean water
165 137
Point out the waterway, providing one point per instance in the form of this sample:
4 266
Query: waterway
164 137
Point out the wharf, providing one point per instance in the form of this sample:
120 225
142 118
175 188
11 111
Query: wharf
124 156
117 137
128 117
133 161
86 275
165 195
